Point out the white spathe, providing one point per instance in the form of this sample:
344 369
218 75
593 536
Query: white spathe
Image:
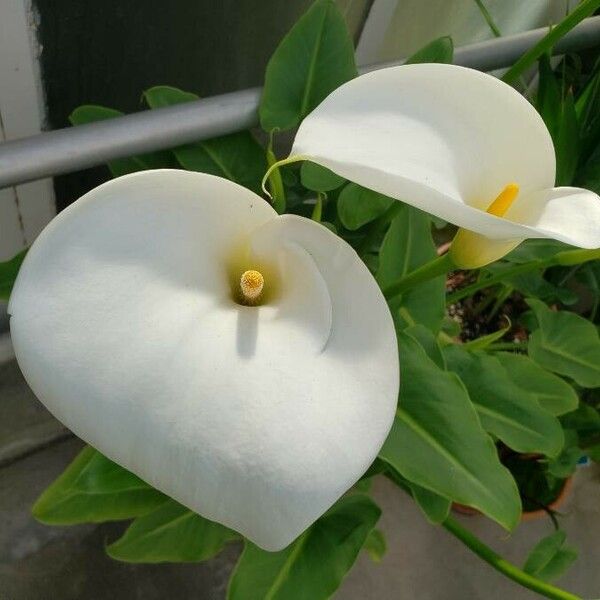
125 325
447 140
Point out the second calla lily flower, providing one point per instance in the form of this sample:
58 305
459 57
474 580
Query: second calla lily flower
458 144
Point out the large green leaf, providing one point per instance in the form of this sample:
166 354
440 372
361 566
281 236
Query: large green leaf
589 176
8 273
312 60
565 343
358 206
440 50
509 412
553 393
534 249
567 142
314 565
171 533
587 107
438 443
406 246
237 157
535 285
548 100
428 341
435 507
90 113
95 489
549 558
319 179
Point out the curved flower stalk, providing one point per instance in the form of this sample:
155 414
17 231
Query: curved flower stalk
242 362
458 144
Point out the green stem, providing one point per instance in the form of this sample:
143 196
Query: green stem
565 258
507 346
585 9
487 554
275 182
439 266
503 566
501 298
488 18
317 212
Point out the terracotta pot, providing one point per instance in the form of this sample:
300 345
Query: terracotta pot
530 515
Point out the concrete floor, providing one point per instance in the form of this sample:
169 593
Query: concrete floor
48 563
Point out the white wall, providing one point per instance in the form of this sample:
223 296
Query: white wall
25 209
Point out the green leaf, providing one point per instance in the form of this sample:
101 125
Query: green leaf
358 206
171 533
566 463
534 284
544 551
429 342
553 393
589 175
587 107
567 142
561 562
450 327
95 489
485 340
438 443
585 421
549 100
565 343
237 157
319 179
435 507
375 545
549 558
583 10
166 95
314 565
440 50
507 411
531 250
8 273
406 246
594 453
89 113
312 60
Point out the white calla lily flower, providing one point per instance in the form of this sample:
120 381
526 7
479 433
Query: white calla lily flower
450 140
242 362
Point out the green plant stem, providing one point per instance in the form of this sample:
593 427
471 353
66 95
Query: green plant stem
507 346
500 300
503 566
488 18
439 266
566 258
317 212
585 9
276 183
487 554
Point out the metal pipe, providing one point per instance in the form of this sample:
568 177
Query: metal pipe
75 148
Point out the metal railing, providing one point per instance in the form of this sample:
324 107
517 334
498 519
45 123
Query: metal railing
72 149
